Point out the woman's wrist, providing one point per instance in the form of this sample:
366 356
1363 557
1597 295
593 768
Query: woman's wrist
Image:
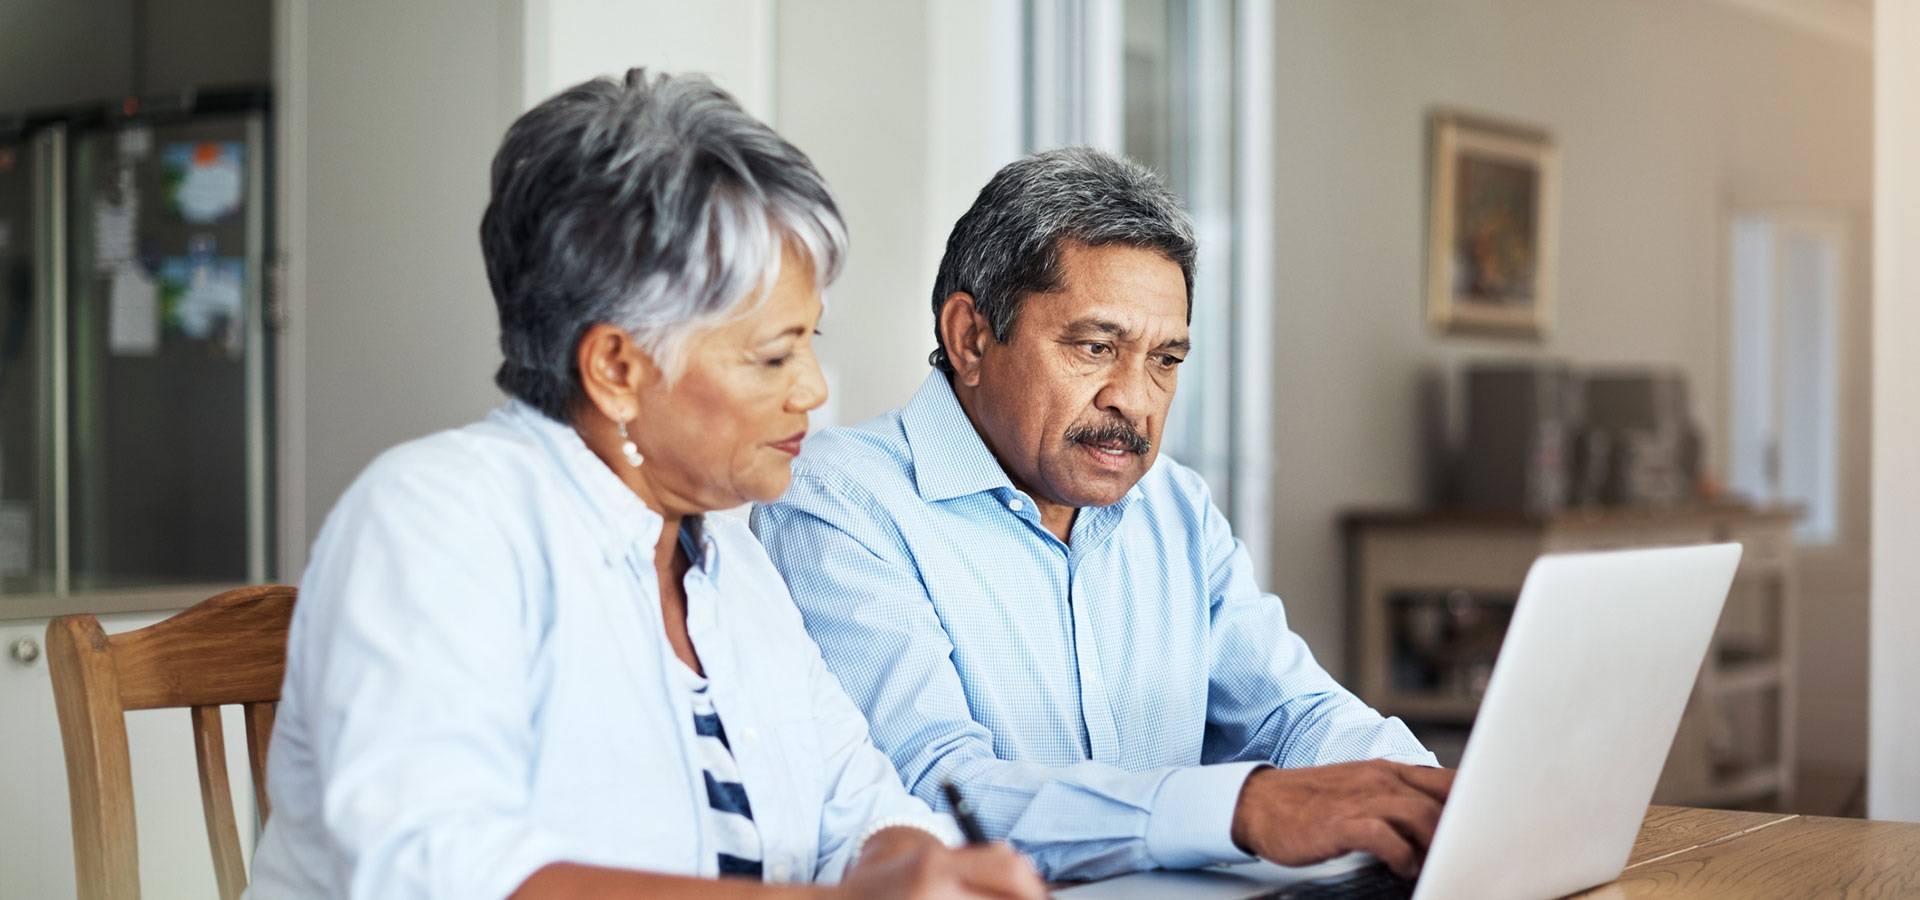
893 840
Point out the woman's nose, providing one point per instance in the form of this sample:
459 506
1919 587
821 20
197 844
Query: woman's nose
810 390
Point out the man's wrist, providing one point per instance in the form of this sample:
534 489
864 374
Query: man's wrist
1244 808
1191 823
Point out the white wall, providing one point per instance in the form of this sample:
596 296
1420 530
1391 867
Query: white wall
1666 114
391 115
907 109
392 119
1894 779
570 41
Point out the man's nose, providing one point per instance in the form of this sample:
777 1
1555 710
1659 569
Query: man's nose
1127 394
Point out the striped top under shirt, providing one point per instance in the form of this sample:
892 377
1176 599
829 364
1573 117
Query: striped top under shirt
729 818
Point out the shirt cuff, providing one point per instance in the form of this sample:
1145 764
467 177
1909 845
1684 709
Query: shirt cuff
940 827
505 873
1192 820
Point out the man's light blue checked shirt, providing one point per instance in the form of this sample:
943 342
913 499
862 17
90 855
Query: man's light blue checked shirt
1100 701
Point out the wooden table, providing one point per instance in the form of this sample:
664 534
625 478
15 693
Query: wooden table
1714 853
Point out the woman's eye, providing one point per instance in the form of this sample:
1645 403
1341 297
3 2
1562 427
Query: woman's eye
778 361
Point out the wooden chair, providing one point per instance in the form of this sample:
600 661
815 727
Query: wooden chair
229 649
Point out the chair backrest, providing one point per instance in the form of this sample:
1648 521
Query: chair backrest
228 649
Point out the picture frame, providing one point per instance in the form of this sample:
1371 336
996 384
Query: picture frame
1493 194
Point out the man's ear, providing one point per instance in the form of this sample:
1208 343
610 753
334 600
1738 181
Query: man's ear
965 333
614 371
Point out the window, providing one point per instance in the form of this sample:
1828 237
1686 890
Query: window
1182 87
1786 281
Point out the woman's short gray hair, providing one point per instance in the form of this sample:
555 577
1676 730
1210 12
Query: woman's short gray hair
655 204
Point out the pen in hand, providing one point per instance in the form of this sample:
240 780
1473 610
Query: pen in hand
963 815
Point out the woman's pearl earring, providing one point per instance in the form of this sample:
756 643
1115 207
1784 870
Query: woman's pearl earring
627 447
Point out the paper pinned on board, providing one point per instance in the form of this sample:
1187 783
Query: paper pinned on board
116 225
135 143
113 235
205 180
133 320
202 298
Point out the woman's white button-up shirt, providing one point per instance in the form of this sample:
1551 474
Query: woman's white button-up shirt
477 686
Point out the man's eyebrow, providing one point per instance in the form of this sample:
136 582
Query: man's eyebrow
1097 326
1181 345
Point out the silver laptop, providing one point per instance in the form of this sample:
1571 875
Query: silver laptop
1583 704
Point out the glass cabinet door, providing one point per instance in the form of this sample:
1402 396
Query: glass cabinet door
27 502
165 343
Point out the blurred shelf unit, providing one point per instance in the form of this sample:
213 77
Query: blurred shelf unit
1430 594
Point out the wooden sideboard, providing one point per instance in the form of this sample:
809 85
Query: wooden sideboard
1429 594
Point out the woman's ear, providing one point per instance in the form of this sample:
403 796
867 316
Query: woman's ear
614 371
964 332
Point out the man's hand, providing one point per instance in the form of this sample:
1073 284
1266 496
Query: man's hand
1296 817
907 864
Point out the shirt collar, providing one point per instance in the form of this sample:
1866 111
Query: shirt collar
624 519
949 458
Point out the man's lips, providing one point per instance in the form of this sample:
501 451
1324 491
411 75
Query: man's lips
1108 455
790 446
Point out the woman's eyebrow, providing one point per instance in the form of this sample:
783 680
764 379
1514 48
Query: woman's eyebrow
791 331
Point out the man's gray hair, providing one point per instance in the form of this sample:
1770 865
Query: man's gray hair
1007 245
655 204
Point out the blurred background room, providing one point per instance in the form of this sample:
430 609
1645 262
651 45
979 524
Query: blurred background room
1478 279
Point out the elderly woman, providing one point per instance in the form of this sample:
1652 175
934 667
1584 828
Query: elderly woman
523 662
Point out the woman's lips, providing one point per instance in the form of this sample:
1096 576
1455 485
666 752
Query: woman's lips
791 446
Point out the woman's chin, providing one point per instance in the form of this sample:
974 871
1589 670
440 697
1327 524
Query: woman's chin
760 487
771 485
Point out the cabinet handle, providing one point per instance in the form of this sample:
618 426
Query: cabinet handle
26 651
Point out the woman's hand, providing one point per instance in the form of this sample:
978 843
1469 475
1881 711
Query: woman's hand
909 864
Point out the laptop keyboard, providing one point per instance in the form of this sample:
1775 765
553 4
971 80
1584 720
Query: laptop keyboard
1362 884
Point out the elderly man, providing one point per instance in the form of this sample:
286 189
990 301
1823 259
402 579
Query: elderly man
1028 602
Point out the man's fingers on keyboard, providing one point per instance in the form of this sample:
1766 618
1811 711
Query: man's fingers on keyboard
1415 818
1435 783
1385 843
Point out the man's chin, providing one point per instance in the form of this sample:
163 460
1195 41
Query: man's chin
1104 487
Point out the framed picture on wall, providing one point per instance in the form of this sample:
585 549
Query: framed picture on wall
1492 192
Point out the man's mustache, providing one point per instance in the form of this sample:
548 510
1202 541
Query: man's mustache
1114 432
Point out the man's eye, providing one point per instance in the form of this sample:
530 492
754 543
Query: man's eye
1095 348
1169 360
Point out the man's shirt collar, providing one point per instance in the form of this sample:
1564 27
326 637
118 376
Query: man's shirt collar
949 457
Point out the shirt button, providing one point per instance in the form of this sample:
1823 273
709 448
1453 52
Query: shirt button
749 735
779 871
1016 505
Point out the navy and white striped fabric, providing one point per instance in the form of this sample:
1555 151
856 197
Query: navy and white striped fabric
1101 700
735 839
